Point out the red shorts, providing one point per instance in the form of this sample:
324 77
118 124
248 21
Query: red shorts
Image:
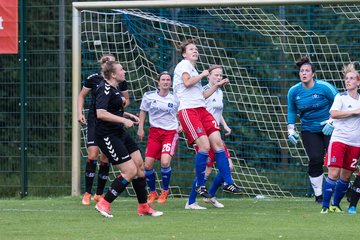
161 141
342 155
197 122
211 158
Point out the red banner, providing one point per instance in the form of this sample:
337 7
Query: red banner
8 26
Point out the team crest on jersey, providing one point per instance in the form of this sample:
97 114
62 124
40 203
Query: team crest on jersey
297 97
349 106
199 130
170 105
314 96
333 159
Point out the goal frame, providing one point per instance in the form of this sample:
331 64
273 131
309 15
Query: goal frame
77 7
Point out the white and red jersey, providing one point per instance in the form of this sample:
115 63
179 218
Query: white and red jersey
346 130
190 97
162 110
214 103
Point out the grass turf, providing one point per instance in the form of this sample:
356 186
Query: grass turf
245 218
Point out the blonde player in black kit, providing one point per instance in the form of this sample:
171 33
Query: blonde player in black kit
90 85
116 143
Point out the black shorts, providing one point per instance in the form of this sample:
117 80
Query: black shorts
90 132
117 147
315 145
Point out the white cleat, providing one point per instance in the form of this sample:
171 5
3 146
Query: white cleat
214 202
145 209
153 214
194 206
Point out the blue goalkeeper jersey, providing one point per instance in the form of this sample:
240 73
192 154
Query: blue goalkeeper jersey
311 104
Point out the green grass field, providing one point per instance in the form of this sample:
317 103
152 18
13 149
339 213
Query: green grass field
66 218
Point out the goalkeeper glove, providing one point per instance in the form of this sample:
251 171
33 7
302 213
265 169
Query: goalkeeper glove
328 128
293 135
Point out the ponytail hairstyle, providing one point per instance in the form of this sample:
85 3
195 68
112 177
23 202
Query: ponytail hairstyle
106 58
350 68
109 68
305 61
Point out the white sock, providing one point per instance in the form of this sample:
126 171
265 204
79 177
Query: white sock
316 183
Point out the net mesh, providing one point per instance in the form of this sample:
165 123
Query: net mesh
257 48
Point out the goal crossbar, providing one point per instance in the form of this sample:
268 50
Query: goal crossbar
198 3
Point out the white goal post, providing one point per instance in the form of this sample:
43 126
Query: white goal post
102 5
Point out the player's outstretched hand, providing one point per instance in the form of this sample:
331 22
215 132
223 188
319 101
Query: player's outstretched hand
132 117
293 136
227 130
179 129
135 119
141 134
82 119
328 127
128 123
222 82
204 73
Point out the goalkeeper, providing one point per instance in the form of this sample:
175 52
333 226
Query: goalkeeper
311 99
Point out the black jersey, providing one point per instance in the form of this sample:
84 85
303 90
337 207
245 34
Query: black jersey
109 99
92 82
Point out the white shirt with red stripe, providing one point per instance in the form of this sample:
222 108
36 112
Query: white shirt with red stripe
346 130
190 97
214 103
162 110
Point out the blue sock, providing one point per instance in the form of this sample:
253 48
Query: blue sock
193 194
341 188
328 191
222 163
166 174
150 179
200 167
218 180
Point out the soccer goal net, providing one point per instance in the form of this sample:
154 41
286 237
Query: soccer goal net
257 47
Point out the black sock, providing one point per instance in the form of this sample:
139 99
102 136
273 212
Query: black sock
355 192
89 174
139 185
117 187
102 177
